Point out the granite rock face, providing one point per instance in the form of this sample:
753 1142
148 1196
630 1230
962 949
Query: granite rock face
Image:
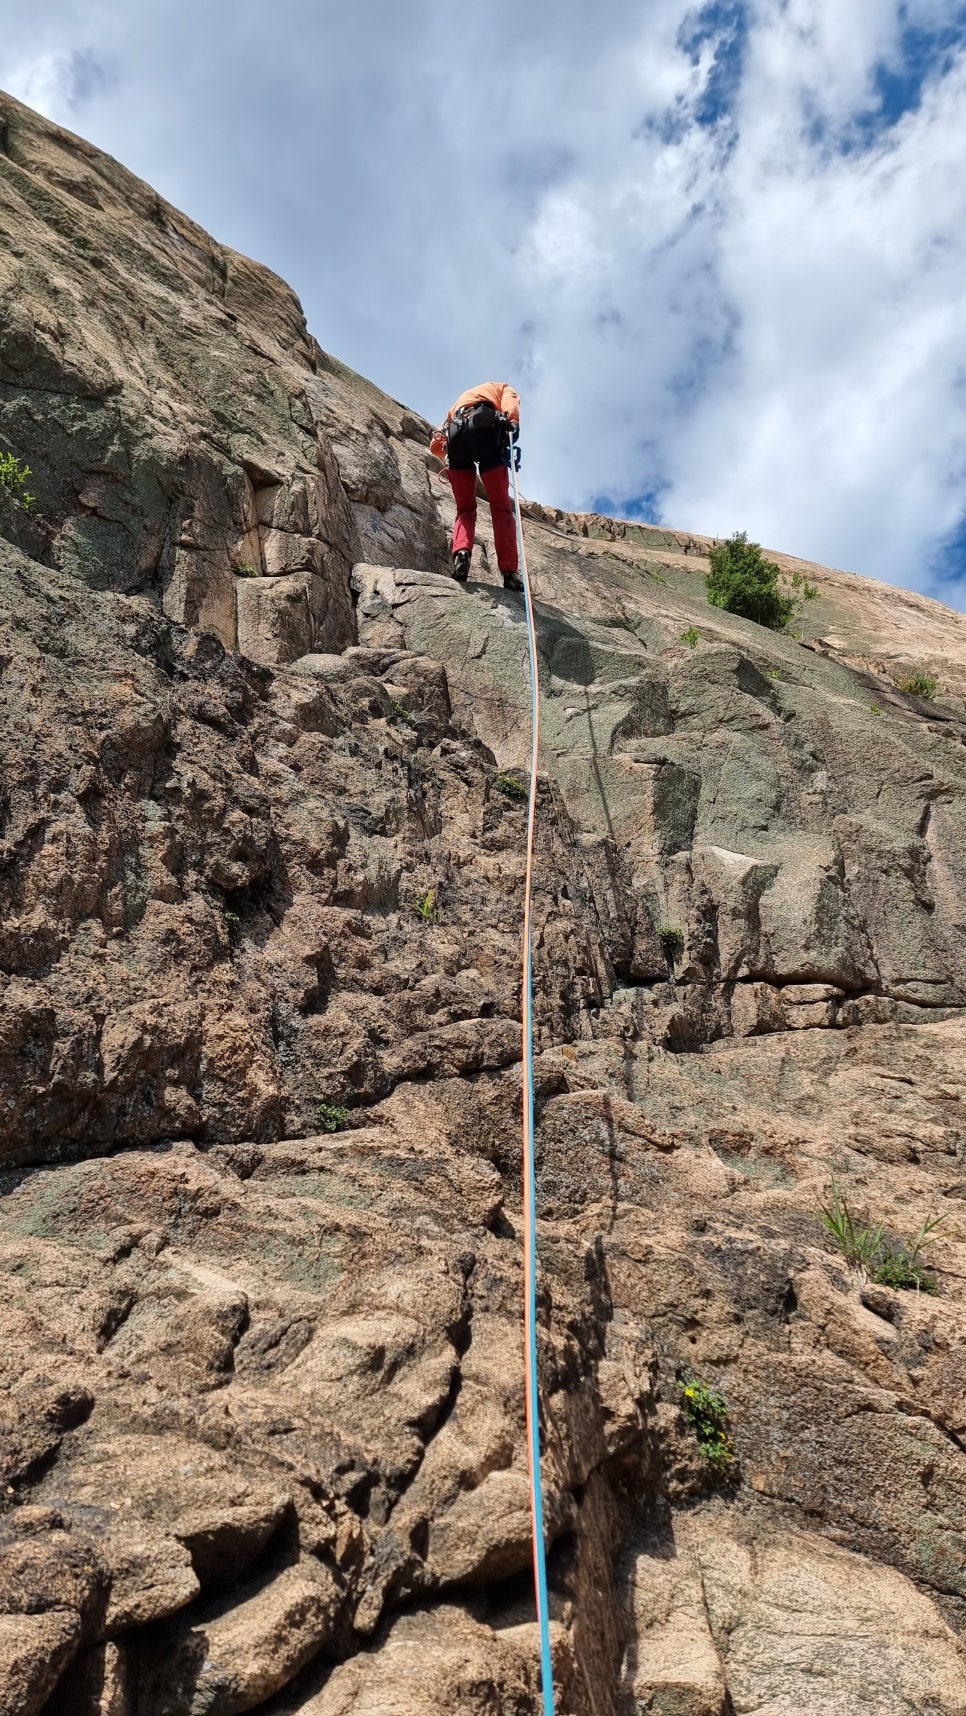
190 441
261 1383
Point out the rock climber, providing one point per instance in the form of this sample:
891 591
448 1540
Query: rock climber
480 430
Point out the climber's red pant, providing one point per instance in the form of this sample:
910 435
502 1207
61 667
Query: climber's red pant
497 485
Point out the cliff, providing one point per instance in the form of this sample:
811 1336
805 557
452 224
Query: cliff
259 1055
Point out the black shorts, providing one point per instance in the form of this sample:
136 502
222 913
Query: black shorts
485 446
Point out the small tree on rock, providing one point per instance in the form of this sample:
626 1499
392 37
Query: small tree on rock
743 582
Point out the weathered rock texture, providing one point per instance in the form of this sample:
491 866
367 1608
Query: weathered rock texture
262 1393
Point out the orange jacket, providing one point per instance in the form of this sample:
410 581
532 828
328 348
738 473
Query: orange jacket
499 394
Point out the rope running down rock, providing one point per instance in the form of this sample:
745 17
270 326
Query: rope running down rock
529 1173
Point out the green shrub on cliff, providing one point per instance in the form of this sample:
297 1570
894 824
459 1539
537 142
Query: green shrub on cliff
743 582
900 1263
13 479
900 1269
510 785
920 684
707 1415
330 1116
671 937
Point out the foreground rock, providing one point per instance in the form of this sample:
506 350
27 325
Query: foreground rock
263 836
774 1622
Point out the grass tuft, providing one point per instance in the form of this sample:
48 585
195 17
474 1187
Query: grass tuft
858 1245
427 908
888 1262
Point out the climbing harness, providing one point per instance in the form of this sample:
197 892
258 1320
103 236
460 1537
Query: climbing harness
529 1172
480 415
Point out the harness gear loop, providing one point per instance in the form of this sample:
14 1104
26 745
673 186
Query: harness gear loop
529 1171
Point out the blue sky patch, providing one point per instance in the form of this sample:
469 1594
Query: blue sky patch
923 54
725 24
949 568
898 85
643 508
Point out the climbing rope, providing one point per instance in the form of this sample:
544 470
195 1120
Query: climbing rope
529 1173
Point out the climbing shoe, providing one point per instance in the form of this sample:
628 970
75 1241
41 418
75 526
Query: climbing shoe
461 565
513 581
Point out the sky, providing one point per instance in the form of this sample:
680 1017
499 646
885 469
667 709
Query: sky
720 249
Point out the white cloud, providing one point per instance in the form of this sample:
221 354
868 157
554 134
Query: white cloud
42 81
761 319
838 426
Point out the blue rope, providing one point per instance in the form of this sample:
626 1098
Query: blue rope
530 1197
